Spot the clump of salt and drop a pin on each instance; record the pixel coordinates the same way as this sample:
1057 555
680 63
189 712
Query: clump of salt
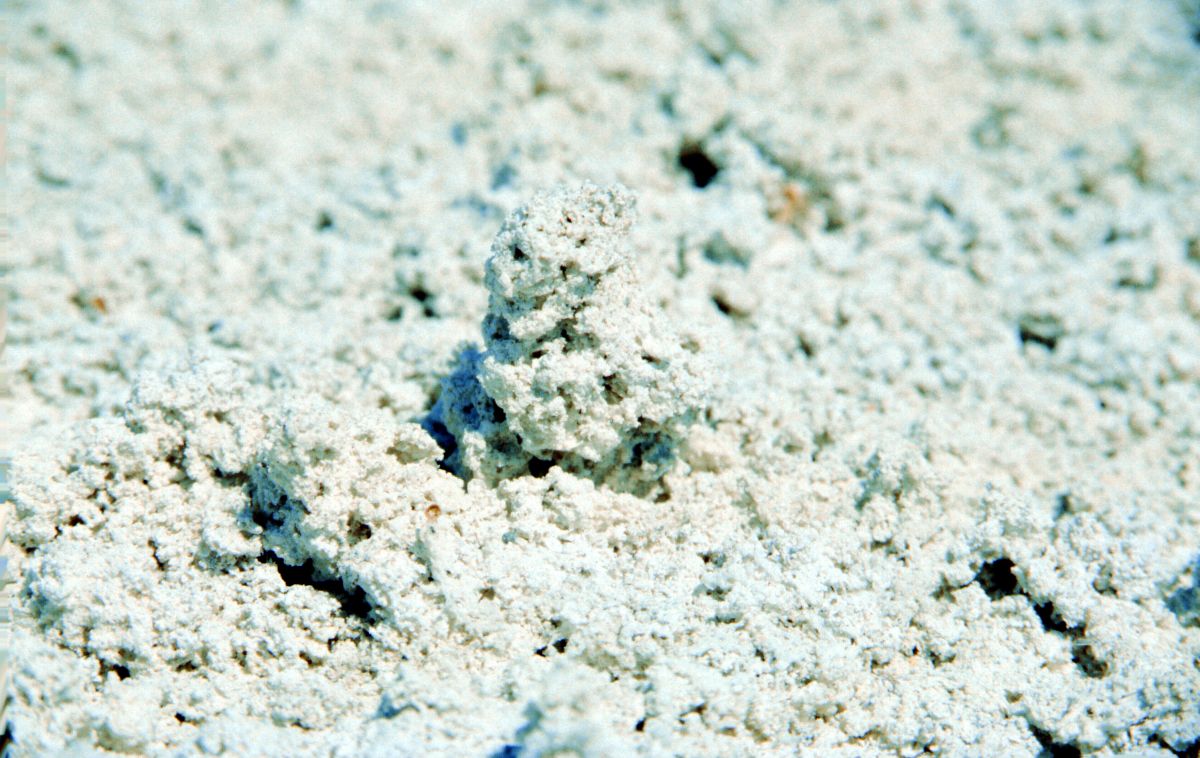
578 370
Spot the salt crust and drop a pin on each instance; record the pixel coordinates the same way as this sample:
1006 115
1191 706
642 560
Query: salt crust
943 496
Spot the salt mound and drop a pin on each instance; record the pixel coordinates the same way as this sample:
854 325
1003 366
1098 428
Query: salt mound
578 370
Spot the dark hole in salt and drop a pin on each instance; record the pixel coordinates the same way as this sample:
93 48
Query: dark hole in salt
1040 330
699 166
997 578
353 601
1052 749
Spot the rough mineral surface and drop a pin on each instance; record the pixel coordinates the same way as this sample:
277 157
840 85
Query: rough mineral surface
579 371
914 312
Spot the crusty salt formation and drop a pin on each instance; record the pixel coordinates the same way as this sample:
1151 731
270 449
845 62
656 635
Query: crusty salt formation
578 370
941 262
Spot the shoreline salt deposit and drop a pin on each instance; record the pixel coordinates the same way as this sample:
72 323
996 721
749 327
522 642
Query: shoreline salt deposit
930 486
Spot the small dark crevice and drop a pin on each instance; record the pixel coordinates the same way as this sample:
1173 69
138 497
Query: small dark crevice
1041 330
395 314
821 441
937 203
49 180
717 593
884 545
503 176
718 251
1082 654
91 303
1192 250
357 530
266 518
1116 235
997 579
427 301
615 389
1085 659
405 250
1052 749
945 590
698 710
1132 281
496 329
1049 617
353 601
496 413
640 726
1063 505
559 645
805 346
120 670
699 166
66 53
834 220
324 221
1190 750
193 227
1138 164
539 467
714 56
724 307
666 104
1185 602
937 659
1103 583
389 709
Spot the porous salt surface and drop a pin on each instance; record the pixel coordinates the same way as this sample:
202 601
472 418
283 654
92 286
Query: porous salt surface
911 462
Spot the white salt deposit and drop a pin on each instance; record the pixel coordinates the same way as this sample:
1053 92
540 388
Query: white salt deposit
842 399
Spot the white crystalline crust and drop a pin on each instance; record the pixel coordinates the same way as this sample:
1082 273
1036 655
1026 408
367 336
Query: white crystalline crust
578 371
939 488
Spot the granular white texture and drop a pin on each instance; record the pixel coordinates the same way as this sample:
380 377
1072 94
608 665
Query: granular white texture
578 371
919 282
